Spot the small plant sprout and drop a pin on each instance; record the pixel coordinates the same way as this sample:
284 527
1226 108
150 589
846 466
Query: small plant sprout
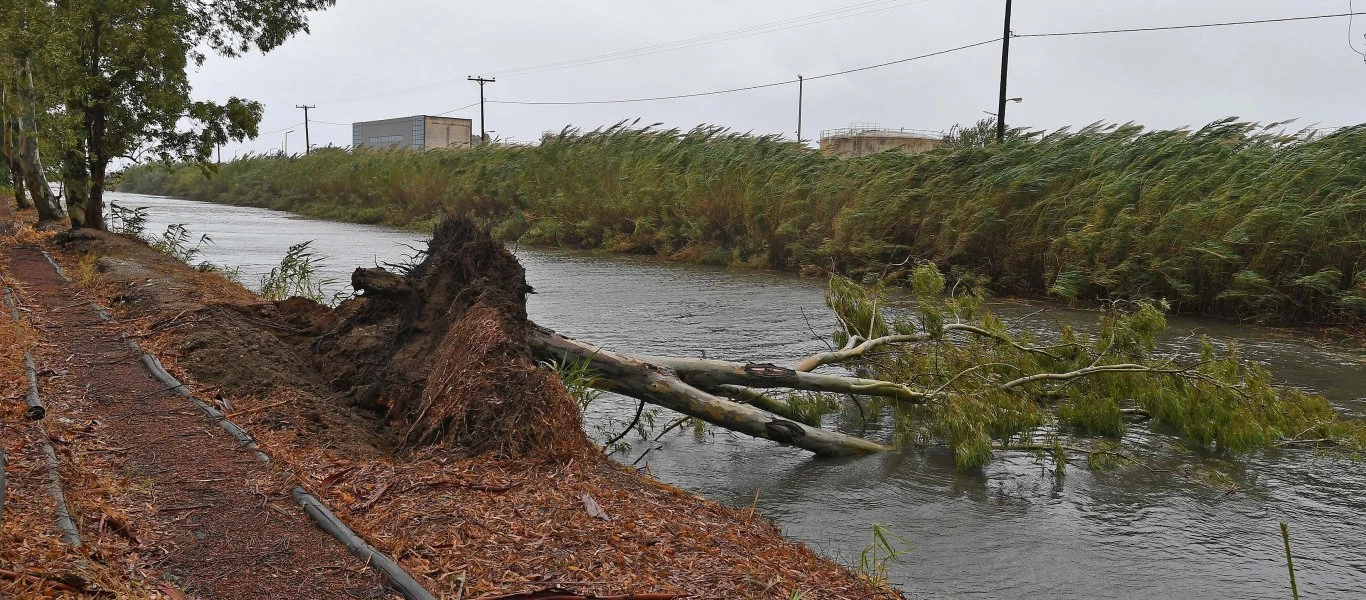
885 548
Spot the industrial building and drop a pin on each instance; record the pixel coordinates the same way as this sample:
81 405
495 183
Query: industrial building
862 139
416 132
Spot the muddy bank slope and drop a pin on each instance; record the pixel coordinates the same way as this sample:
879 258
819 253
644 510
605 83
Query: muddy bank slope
425 425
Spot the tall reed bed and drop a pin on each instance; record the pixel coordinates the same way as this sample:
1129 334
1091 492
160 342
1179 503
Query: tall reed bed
1231 219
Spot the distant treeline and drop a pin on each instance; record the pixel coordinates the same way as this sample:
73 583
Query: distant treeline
1230 220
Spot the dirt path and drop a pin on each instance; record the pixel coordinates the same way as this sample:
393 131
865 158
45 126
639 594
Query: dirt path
219 523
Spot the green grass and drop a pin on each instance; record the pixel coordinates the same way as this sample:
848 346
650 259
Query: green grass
1229 220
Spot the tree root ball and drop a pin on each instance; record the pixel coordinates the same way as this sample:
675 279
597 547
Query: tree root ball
487 395
442 349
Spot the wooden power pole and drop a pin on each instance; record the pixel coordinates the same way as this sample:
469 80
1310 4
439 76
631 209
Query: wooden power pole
1005 67
307 146
483 131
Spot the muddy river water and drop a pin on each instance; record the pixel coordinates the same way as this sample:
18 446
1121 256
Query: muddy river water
1011 531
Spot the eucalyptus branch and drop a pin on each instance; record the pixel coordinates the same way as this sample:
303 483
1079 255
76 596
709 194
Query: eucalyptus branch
851 351
1044 350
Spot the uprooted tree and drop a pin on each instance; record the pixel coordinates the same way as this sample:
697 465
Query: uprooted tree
445 347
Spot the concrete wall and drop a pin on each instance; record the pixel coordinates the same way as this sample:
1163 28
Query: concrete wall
863 144
444 132
416 132
388 133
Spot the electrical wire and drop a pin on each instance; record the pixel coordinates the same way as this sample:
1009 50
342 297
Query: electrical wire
280 129
457 109
774 27
1352 13
698 41
750 87
1195 26
1351 10
904 60
651 99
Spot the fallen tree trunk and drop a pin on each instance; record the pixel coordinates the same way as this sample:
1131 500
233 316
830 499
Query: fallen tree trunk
708 373
662 385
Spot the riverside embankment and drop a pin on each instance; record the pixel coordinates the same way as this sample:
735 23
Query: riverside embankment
157 479
1008 531
1228 220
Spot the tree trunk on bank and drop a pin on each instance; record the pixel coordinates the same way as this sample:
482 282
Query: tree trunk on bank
49 208
662 386
8 151
94 208
26 153
76 182
96 122
16 177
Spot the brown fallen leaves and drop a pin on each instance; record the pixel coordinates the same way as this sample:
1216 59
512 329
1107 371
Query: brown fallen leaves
472 527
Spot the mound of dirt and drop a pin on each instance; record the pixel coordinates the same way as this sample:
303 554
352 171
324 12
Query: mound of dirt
442 349
212 332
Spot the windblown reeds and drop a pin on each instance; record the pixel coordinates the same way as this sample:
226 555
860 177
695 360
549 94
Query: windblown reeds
1232 219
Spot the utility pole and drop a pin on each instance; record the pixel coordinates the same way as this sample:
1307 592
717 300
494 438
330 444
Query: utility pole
800 85
483 135
285 149
305 107
1005 69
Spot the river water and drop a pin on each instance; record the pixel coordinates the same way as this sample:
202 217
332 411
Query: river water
1011 531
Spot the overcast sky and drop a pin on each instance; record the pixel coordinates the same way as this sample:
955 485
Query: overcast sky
369 60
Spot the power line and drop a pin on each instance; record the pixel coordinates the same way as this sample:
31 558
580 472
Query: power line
280 129
941 52
457 109
1196 26
903 60
751 87
651 99
1350 21
725 36
651 49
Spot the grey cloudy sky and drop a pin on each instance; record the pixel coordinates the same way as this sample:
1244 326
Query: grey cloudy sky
369 59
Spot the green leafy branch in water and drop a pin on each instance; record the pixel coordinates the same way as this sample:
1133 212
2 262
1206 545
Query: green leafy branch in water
299 274
987 386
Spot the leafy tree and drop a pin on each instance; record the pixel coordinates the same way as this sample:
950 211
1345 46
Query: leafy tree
23 42
120 68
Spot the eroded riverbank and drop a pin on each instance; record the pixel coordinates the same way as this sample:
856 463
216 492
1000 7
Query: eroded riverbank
1009 531
465 526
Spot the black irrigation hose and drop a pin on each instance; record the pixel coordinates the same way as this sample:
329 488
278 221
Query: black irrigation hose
36 411
398 578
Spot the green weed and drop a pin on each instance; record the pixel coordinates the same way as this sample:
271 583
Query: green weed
298 274
884 549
